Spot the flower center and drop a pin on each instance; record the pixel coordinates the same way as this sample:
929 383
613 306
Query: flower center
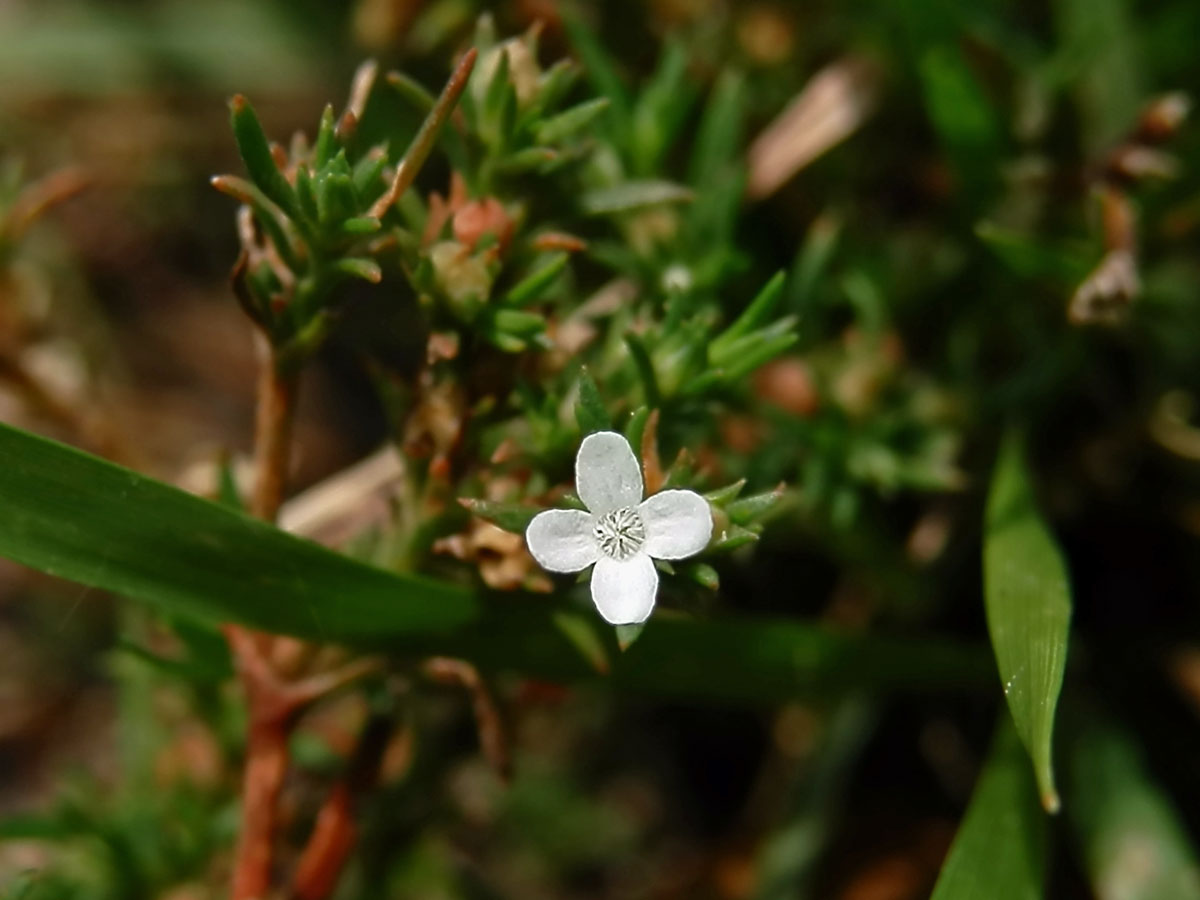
620 533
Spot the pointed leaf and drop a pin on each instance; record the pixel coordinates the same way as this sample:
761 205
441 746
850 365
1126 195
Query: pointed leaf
630 195
589 410
999 852
1028 604
256 153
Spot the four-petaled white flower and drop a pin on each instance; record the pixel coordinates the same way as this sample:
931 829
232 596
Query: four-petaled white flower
621 534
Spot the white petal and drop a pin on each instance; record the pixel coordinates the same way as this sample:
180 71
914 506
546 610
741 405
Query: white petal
607 474
678 524
623 590
561 540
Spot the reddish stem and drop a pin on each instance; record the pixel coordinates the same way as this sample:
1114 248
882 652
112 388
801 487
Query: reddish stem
271 710
272 437
334 834
266 767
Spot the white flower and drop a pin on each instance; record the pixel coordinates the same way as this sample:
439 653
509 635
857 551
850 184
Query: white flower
622 534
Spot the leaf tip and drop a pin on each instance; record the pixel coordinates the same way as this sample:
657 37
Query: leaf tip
1051 802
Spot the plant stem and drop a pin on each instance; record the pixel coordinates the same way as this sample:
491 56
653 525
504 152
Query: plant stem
266 767
272 436
270 711
334 834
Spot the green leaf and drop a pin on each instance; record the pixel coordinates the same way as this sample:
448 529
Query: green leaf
1098 58
755 507
645 368
256 154
703 574
569 122
627 634
752 316
632 195
636 428
589 411
533 286
720 133
723 495
661 108
999 852
265 212
1031 255
1028 603
814 257
1133 842
509 516
598 65
70 514
78 517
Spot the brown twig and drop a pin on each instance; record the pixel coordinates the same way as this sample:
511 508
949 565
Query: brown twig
488 721
426 137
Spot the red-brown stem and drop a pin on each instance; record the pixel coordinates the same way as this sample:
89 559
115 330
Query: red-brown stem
270 709
272 437
335 833
328 847
266 767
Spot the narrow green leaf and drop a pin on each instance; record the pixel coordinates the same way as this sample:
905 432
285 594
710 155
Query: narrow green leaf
632 195
357 267
412 91
812 260
568 122
1098 58
256 154
627 634
530 159
76 516
752 316
720 135
1028 601
518 322
335 198
598 66
590 412
266 213
636 427
703 574
755 507
533 286
1133 842
360 225
645 368
721 496
732 537
509 516
327 143
999 852
661 108
70 514
1031 255
368 176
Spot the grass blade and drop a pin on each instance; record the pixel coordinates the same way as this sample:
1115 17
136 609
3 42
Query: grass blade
79 517
1028 601
1000 849
1133 843
76 516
